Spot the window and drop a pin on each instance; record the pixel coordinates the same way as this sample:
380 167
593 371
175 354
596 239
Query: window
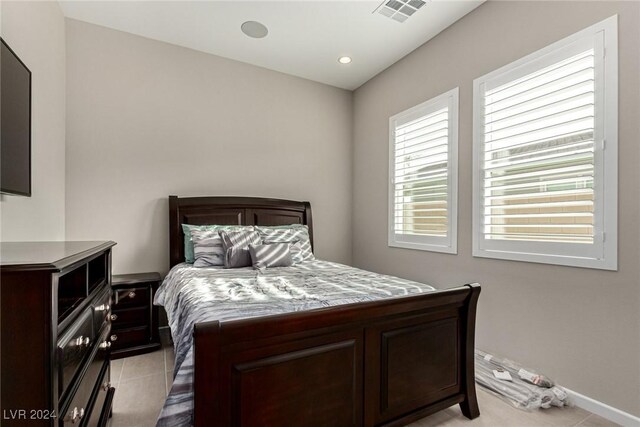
545 154
423 163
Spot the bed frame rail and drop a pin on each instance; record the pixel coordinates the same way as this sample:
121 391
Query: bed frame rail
382 363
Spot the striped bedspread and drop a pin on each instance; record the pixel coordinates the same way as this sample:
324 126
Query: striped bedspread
191 295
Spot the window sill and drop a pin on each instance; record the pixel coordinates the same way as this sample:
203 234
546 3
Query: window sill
568 261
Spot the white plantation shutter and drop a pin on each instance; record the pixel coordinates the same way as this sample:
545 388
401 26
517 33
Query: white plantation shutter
539 130
423 183
539 155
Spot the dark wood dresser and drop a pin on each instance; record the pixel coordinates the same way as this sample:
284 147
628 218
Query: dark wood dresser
55 324
134 320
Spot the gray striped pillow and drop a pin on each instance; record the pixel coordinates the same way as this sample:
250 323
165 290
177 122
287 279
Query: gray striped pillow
270 255
295 234
235 246
207 248
189 255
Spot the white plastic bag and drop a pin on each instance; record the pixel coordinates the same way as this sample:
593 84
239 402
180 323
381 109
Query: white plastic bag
522 387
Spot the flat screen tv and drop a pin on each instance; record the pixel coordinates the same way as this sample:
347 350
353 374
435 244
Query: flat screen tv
15 124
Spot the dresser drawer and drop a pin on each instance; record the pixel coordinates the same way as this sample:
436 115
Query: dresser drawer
78 407
101 310
131 297
103 398
129 337
74 347
129 317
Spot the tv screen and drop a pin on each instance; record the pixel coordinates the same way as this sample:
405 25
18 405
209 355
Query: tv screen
15 124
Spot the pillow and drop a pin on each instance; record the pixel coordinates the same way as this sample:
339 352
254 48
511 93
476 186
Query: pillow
188 242
207 248
270 255
295 234
235 246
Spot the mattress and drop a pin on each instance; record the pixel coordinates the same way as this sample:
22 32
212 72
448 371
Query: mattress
191 295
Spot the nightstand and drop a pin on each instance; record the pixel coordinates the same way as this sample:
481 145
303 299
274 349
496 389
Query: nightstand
134 318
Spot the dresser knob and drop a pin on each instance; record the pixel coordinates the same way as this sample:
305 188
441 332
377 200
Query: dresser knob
105 345
81 341
132 294
114 317
103 307
76 415
106 386
114 337
87 340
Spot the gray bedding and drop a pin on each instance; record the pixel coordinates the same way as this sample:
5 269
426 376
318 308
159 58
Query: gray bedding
191 295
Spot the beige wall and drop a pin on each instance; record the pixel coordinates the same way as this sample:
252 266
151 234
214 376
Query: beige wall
147 119
35 31
580 326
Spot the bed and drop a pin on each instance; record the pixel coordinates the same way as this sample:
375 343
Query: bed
383 357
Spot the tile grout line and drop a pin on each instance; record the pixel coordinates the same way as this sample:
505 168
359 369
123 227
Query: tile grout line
138 378
583 421
124 360
166 385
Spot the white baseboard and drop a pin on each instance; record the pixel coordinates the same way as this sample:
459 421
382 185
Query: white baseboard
605 411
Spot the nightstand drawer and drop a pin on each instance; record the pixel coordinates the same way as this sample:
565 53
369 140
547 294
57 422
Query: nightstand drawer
131 297
129 337
129 317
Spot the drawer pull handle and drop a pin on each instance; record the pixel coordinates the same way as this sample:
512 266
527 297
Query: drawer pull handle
76 415
105 345
124 293
114 337
114 317
82 341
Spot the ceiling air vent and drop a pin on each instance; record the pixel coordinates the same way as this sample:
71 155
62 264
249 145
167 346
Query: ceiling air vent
399 10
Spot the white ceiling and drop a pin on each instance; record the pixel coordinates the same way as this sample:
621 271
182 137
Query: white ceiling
305 37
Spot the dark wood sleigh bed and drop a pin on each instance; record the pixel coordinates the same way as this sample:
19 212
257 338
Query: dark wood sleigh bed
382 363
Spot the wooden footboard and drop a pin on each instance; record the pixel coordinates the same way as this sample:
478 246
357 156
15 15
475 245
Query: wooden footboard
369 364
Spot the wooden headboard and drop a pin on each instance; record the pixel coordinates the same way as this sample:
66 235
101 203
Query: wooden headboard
232 211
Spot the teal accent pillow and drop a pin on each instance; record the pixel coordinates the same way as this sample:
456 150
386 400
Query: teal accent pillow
189 256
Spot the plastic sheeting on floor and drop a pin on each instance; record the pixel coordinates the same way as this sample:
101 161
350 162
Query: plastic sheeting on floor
522 387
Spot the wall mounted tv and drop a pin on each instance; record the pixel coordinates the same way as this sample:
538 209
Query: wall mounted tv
15 124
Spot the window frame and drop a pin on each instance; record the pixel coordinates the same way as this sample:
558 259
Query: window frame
447 244
603 254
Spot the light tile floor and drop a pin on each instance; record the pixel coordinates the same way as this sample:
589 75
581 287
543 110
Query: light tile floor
142 383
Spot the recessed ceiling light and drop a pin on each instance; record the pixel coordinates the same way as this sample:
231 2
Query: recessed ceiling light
344 59
254 29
